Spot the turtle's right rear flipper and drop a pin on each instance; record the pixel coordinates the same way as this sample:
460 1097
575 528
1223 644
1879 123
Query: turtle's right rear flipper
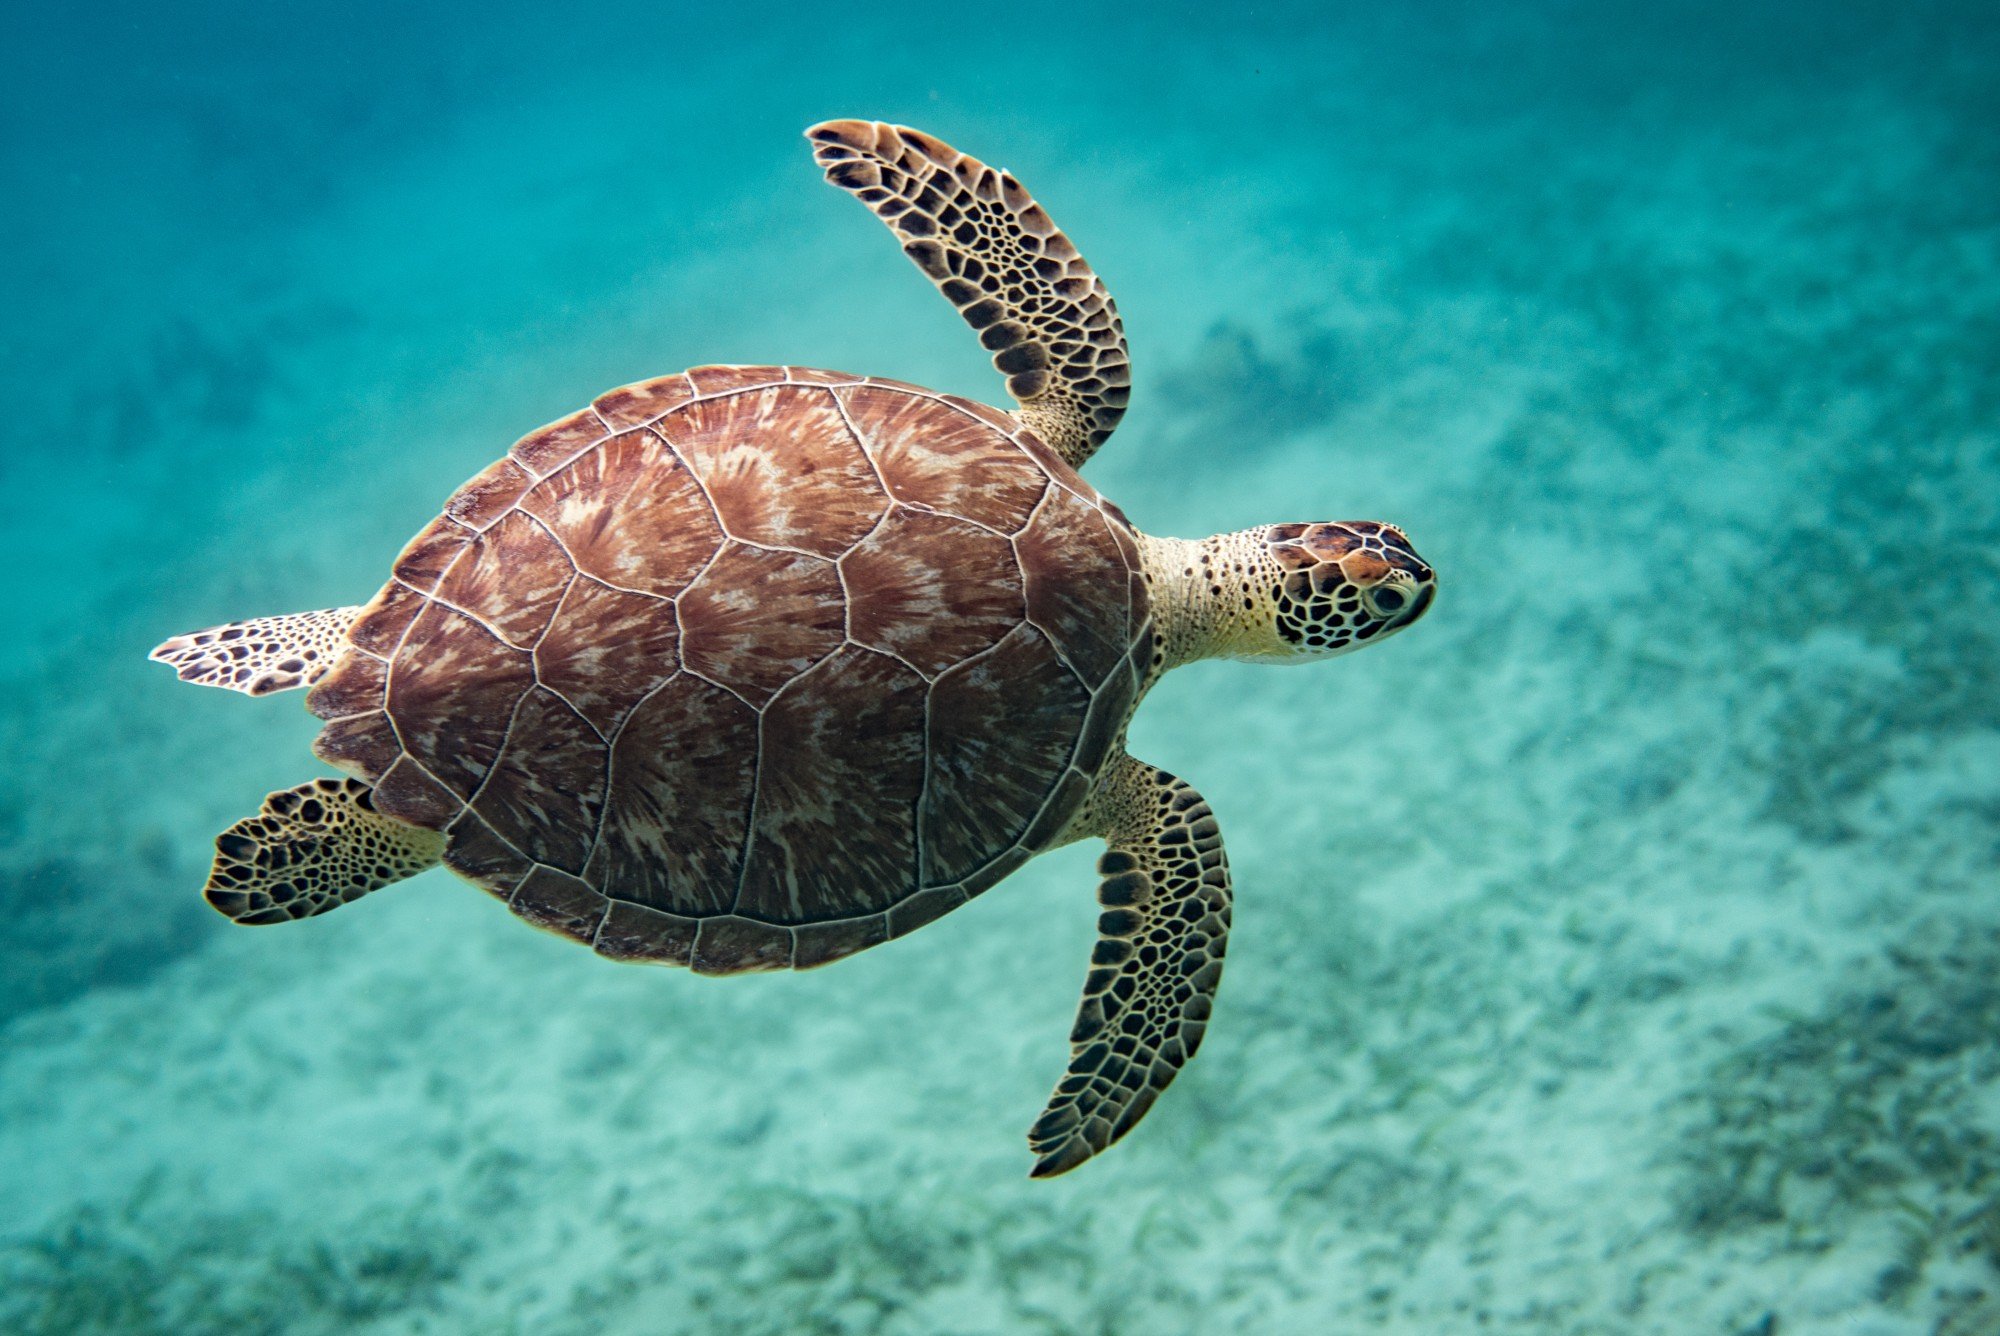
311 849
263 654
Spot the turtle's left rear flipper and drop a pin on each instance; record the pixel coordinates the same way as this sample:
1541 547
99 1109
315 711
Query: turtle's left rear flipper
311 849
263 654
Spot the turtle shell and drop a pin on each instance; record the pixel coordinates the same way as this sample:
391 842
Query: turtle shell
748 667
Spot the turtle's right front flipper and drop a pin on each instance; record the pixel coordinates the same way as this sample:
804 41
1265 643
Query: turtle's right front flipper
263 654
1152 981
311 849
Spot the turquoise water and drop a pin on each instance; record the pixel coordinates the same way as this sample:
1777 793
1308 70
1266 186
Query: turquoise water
1614 952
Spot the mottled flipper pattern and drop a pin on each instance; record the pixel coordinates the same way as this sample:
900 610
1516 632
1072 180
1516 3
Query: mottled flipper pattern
263 654
311 849
1052 328
1165 897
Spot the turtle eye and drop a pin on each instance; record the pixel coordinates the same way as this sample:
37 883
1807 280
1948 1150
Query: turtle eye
1385 600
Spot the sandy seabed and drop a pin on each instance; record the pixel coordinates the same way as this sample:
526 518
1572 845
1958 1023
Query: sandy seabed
1616 952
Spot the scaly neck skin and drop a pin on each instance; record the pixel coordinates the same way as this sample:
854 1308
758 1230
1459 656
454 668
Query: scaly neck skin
1211 596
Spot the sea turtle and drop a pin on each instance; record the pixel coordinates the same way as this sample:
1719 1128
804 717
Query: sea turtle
751 668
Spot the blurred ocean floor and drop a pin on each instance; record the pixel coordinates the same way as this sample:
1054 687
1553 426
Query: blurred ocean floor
1617 952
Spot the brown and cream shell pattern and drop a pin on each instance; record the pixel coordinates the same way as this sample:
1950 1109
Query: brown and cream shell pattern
749 667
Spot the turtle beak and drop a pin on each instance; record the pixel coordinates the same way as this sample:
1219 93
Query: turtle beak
1418 604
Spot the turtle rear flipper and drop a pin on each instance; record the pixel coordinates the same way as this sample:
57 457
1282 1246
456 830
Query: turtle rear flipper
311 849
262 654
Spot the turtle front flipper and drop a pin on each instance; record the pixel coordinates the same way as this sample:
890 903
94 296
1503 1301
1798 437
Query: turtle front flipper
311 849
1165 897
262 654
1052 327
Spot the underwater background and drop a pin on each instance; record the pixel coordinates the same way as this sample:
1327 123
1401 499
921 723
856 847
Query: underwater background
1617 952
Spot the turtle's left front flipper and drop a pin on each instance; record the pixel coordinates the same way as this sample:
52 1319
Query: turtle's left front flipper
261 655
1165 923
1040 310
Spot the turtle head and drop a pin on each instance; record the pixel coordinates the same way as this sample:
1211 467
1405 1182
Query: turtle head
1285 593
1337 587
